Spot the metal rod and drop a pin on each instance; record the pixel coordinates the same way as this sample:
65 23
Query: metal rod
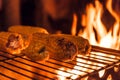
26 69
7 76
79 65
92 59
16 71
105 56
71 65
37 67
105 50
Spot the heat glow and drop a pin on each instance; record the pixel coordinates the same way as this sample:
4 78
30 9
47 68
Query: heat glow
97 34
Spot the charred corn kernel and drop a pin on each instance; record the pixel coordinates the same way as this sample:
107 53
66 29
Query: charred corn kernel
82 44
63 46
58 47
36 51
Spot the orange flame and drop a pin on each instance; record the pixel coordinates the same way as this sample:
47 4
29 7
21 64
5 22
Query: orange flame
95 27
110 39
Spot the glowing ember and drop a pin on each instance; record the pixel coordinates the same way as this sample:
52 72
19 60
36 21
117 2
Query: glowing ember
94 28
108 39
109 77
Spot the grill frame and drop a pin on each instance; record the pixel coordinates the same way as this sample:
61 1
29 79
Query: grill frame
108 62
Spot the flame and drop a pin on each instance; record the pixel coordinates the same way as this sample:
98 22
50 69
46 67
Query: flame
96 32
73 30
109 39
109 77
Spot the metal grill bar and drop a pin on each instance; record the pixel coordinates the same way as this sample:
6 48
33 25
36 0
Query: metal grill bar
30 66
15 71
92 60
99 59
6 76
105 56
105 50
44 65
68 65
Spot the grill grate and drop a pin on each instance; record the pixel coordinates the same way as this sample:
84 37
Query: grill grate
14 67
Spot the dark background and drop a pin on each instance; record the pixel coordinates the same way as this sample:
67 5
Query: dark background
54 15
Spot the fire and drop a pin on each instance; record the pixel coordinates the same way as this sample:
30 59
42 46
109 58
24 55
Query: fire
109 39
95 31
